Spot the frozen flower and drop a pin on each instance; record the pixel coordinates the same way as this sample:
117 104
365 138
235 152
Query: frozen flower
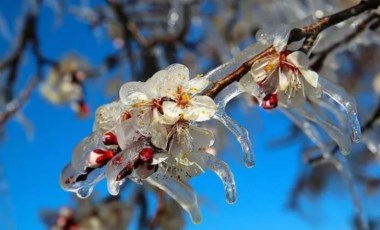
284 75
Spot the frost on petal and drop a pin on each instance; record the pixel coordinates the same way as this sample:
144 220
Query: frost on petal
82 151
221 169
339 95
299 59
120 167
171 113
107 115
179 191
204 106
129 89
196 85
241 134
80 183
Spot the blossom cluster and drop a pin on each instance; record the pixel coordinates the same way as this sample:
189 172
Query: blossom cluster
154 132
151 134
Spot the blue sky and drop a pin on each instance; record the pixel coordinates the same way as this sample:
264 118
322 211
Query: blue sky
31 168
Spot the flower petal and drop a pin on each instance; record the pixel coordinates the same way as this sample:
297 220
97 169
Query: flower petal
196 85
299 59
204 106
130 88
310 76
171 113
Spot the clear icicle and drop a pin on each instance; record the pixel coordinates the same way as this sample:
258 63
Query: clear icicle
339 95
330 105
334 132
237 130
223 171
344 169
241 135
309 129
82 188
179 191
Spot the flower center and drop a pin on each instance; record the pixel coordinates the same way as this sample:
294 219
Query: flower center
183 100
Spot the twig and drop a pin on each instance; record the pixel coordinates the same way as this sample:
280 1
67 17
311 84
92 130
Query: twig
295 35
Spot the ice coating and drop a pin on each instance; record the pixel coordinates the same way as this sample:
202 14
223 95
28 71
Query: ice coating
116 165
81 152
228 67
309 129
179 191
339 95
342 140
223 171
237 130
82 187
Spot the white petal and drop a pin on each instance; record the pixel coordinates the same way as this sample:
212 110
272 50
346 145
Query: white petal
196 85
299 59
310 76
284 79
280 43
130 88
159 135
171 113
156 82
178 71
204 106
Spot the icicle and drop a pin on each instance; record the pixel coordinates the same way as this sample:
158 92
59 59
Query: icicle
83 187
223 171
339 95
334 132
330 105
309 129
344 169
238 131
241 135
179 191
